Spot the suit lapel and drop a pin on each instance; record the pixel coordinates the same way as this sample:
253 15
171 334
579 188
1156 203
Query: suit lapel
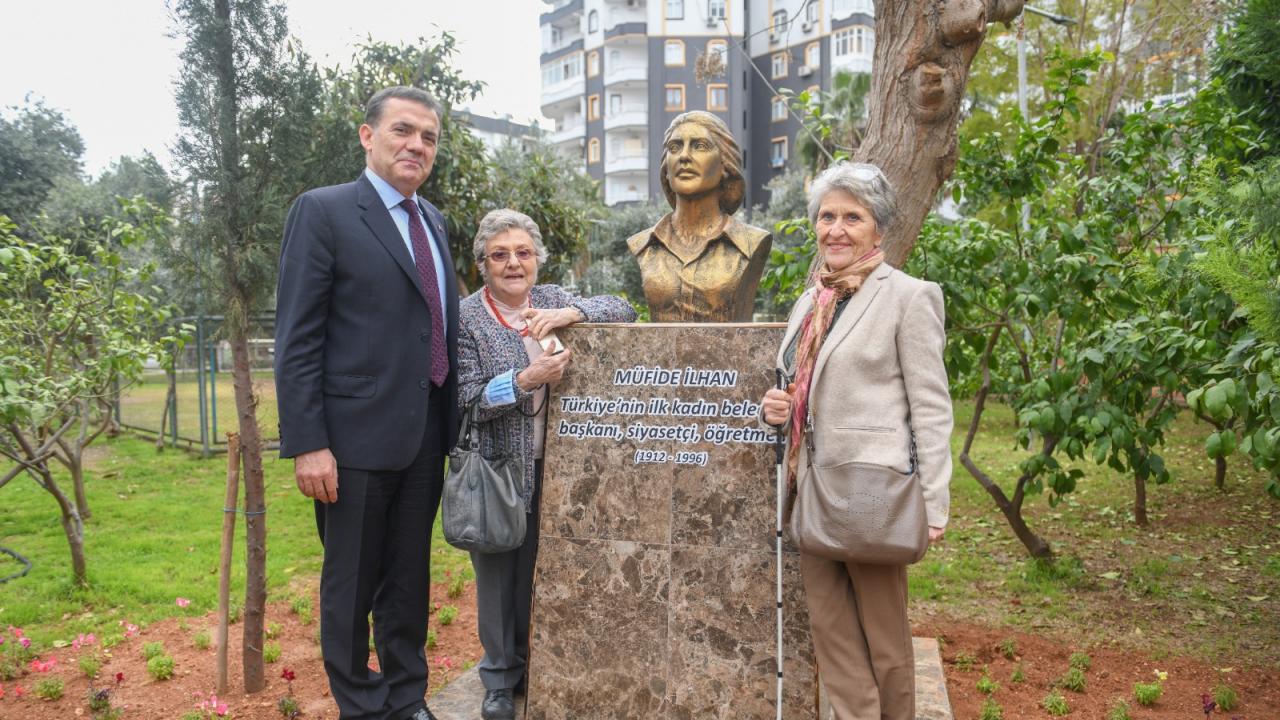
857 308
378 219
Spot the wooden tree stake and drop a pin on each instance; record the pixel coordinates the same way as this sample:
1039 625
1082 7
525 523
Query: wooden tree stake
228 541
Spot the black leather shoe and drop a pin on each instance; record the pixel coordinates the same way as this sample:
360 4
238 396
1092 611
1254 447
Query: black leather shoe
422 714
498 705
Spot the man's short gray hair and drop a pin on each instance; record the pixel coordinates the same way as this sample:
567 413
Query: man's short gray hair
498 222
373 109
866 183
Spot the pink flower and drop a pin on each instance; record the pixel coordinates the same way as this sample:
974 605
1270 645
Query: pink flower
19 691
1 639
288 674
26 643
1 692
83 640
119 678
182 602
129 629
41 666
17 632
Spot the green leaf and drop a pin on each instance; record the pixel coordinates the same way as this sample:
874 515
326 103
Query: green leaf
1213 445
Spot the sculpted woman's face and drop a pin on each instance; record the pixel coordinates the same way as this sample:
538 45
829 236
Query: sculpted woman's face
694 165
846 230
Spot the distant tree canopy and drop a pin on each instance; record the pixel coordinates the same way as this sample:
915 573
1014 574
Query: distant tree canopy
39 148
1248 61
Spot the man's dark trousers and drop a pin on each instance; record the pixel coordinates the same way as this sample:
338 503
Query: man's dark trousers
377 552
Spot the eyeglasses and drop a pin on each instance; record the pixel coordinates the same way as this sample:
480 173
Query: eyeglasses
500 257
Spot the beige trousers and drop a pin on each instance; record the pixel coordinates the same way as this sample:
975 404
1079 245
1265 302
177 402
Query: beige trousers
858 616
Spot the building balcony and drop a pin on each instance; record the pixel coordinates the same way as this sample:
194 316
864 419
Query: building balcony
852 63
629 162
627 117
561 14
561 93
568 134
635 71
625 25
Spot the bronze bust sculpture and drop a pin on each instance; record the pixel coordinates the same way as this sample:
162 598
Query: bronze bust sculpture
699 264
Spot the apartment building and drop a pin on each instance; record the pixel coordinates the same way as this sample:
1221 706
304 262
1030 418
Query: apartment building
615 72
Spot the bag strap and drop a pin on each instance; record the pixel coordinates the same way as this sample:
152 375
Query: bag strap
915 461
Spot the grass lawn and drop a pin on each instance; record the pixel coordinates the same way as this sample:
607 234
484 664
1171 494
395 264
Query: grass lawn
1203 580
142 404
154 537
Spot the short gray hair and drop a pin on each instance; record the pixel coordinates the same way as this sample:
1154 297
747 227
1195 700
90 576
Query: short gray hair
498 222
866 183
373 109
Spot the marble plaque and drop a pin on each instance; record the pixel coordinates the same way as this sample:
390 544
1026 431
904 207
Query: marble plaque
654 594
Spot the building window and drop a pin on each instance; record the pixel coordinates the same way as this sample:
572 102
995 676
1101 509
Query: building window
721 48
675 98
556 36
718 97
673 53
779 65
811 13
593 107
779 25
593 21
675 9
778 109
842 42
715 9
778 152
593 63
813 55
615 104
593 151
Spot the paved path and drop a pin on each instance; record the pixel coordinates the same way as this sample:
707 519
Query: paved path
461 699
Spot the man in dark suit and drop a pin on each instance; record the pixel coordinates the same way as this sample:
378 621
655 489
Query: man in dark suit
366 357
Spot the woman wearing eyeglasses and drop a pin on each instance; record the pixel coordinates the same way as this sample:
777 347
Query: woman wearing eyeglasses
508 355
864 345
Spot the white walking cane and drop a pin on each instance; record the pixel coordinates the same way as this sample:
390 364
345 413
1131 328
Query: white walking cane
778 451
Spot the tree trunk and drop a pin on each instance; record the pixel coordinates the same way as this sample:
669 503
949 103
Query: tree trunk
922 56
75 460
1140 499
169 397
72 525
1012 509
1220 472
255 521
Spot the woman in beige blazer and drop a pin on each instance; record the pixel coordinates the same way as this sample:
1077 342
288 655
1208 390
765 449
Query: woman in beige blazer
864 346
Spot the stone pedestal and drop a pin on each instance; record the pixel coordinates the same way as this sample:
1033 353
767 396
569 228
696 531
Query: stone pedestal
654 594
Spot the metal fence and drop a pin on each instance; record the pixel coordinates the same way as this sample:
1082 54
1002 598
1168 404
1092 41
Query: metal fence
188 399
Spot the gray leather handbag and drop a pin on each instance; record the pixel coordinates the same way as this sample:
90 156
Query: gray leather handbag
482 504
860 513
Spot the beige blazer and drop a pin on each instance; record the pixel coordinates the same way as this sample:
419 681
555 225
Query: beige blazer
878 377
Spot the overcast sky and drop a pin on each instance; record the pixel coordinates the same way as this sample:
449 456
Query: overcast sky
110 67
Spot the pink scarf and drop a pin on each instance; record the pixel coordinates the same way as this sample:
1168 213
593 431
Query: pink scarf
829 289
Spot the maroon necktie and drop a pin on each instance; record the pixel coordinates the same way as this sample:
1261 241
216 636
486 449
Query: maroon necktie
427 271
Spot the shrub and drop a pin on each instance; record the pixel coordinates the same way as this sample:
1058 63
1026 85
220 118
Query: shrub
447 614
456 586
160 667
964 661
288 708
991 710
1008 648
271 653
1055 704
1226 697
986 685
49 689
100 705
90 666
1147 693
152 649
1019 674
1081 661
431 639
1119 711
301 606
1073 680
234 612
273 630
202 640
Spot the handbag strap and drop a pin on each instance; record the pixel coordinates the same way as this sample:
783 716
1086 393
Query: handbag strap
915 461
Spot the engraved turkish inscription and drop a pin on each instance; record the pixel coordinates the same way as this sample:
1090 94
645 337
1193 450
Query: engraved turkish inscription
654 591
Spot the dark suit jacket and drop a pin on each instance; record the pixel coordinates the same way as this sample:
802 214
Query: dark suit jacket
353 332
